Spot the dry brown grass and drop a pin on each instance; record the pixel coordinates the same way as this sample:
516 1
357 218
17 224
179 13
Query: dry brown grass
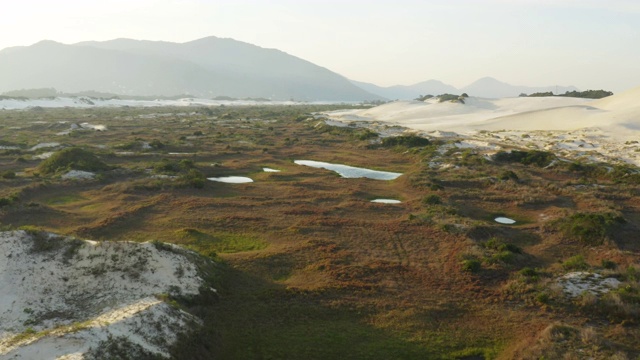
380 271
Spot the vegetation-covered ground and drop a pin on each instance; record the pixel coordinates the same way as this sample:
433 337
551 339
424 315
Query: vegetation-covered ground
309 268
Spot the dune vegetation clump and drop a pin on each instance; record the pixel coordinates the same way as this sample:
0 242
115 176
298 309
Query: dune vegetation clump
534 157
405 140
589 228
73 158
186 171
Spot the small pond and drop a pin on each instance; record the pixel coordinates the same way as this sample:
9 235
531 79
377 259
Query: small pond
350 172
386 201
504 220
232 179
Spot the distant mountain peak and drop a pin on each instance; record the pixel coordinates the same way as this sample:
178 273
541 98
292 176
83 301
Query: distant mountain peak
47 42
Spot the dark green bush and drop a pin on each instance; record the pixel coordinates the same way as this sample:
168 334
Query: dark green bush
405 140
72 158
471 265
534 157
166 166
156 144
528 272
450 97
575 263
508 175
424 97
432 200
588 94
194 178
589 228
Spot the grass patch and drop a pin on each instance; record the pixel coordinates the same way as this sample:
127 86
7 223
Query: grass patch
64 199
575 263
220 243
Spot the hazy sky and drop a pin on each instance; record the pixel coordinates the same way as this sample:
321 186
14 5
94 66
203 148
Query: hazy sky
591 44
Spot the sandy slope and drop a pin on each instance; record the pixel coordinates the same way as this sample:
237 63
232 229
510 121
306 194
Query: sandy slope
602 129
68 296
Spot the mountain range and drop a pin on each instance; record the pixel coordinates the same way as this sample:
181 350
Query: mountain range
486 87
207 68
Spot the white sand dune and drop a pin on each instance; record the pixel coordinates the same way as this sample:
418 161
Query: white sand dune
61 297
603 129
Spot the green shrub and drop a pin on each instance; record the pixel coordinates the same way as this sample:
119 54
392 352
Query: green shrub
534 157
471 265
423 97
469 157
354 133
499 245
543 298
194 178
72 158
432 200
504 256
405 140
541 94
588 94
156 144
589 228
451 97
575 263
366 134
528 272
508 175
8 174
166 166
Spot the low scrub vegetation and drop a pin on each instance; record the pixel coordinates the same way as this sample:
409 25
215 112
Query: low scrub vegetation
73 158
406 141
589 228
533 157
304 266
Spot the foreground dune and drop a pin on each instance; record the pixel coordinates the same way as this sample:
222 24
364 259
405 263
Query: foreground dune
67 297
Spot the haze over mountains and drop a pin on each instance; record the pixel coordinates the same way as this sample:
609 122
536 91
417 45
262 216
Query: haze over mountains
486 87
207 68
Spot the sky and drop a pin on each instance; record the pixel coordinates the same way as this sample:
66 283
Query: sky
590 44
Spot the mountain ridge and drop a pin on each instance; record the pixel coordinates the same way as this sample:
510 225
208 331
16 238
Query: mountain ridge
206 67
486 87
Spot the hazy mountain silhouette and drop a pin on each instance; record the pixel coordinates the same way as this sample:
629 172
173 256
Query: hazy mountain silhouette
205 68
486 87
408 92
489 87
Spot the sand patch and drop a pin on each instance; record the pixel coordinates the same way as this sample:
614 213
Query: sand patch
576 283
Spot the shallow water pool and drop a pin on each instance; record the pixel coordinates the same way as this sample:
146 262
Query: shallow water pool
504 220
350 172
232 179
